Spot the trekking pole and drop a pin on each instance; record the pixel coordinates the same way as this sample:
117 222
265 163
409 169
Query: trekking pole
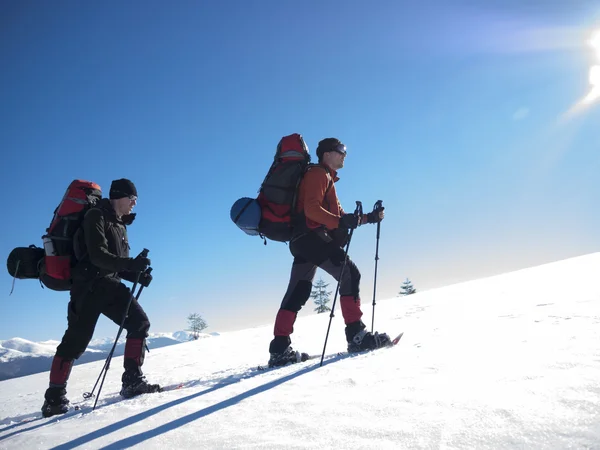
88 395
358 213
378 204
106 366
110 355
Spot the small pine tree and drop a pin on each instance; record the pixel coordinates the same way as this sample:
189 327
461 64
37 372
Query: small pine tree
321 296
196 324
407 288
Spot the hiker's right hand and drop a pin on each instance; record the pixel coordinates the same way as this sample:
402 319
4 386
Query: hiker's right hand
145 279
376 215
139 264
349 221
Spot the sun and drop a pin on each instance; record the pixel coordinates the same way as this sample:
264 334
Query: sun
593 95
594 76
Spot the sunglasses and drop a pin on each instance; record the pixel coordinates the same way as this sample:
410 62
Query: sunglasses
131 198
340 148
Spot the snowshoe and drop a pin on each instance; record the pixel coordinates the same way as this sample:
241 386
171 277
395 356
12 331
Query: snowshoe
56 402
288 356
365 340
135 384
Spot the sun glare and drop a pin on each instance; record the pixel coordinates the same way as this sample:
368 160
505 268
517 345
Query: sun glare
595 77
593 96
595 43
594 93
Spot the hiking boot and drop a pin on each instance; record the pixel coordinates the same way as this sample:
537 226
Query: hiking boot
365 340
134 384
288 356
56 401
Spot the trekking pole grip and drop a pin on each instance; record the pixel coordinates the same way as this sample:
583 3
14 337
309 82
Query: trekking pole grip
143 254
147 271
378 204
359 208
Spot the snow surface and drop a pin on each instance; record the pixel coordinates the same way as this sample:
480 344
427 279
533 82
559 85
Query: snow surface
506 362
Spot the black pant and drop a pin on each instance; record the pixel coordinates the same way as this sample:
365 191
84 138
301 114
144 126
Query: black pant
106 296
310 252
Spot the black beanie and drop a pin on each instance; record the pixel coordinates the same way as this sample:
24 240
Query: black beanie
327 145
122 188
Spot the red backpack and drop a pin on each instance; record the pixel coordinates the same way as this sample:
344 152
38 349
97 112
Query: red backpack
55 271
278 192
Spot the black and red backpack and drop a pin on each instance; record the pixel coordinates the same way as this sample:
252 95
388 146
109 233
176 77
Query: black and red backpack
52 264
271 215
278 192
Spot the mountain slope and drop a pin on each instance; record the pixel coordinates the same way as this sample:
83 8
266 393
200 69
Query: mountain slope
500 363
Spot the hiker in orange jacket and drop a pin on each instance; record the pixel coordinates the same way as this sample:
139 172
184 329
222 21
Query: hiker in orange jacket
320 232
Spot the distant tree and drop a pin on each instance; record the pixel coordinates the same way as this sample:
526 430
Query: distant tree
321 296
407 288
196 324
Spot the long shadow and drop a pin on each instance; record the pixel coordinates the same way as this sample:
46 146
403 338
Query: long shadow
23 421
132 440
20 424
27 419
81 405
42 424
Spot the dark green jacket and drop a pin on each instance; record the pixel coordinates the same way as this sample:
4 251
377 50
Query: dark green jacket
101 244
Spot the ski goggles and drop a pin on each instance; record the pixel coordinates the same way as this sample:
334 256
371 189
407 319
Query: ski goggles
340 148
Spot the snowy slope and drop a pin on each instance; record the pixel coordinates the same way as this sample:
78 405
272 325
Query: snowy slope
20 357
506 362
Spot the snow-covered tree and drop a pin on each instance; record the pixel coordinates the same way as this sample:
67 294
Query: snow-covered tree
407 288
321 296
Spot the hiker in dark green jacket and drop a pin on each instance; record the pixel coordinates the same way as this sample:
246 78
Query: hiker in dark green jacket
102 251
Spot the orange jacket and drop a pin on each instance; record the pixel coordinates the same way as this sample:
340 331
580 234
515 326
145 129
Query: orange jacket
320 205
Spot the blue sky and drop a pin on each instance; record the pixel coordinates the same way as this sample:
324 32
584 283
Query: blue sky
453 113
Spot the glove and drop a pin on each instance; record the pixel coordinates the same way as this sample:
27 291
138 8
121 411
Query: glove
145 279
376 215
349 221
139 264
